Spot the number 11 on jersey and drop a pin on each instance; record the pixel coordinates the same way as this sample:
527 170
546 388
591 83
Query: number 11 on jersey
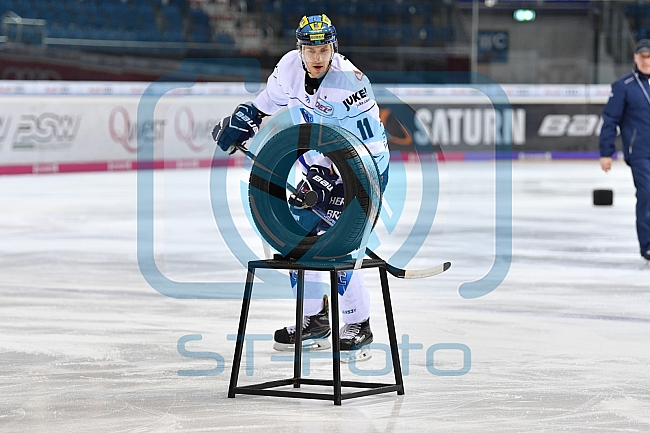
364 129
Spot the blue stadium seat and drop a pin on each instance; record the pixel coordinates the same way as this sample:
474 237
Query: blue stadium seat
93 33
58 6
38 5
173 17
64 18
98 20
183 5
113 34
375 9
44 14
31 35
200 36
173 35
106 8
345 9
223 38
391 9
151 35
199 18
140 8
345 33
296 8
74 33
80 19
145 16
18 6
57 31
29 13
272 7
90 7
116 19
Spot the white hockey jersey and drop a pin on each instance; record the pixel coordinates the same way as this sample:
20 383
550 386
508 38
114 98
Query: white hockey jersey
344 98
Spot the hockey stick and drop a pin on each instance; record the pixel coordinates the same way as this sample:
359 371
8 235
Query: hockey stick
409 274
393 270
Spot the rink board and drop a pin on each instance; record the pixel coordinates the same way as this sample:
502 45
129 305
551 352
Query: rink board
48 127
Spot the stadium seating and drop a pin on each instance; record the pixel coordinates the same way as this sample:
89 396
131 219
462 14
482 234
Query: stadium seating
384 22
638 15
140 20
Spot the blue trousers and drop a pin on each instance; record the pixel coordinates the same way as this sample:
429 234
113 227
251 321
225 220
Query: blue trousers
641 175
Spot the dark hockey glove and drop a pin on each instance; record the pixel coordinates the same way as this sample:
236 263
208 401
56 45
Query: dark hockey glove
242 125
315 190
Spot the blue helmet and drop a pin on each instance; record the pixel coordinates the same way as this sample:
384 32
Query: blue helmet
316 30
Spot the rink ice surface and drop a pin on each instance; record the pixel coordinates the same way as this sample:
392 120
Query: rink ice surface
562 344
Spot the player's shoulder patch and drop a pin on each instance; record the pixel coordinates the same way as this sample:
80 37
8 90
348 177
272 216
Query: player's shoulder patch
350 71
358 75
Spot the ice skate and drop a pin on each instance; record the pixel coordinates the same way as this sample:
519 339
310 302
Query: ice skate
315 330
355 339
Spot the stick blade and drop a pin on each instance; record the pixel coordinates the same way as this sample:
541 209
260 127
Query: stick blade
410 274
424 273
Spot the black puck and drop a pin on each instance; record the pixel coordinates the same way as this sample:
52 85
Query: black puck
311 198
603 197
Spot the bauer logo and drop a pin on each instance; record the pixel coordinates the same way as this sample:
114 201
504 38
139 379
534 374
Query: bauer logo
578 125
323 108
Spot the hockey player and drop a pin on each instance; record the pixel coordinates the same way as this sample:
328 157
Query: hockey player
319 85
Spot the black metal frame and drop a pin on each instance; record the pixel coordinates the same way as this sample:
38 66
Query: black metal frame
337 396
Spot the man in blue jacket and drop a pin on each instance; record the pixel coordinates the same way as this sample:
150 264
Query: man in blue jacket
628 108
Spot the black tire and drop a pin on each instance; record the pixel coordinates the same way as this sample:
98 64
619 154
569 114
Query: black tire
268 200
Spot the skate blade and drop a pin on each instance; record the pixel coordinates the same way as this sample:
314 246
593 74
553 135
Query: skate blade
358 355
312 344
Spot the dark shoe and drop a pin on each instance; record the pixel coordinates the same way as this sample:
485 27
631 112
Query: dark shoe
355 335
315 330
646 255
355 338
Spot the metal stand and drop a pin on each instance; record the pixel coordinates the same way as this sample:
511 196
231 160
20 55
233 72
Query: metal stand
337 396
